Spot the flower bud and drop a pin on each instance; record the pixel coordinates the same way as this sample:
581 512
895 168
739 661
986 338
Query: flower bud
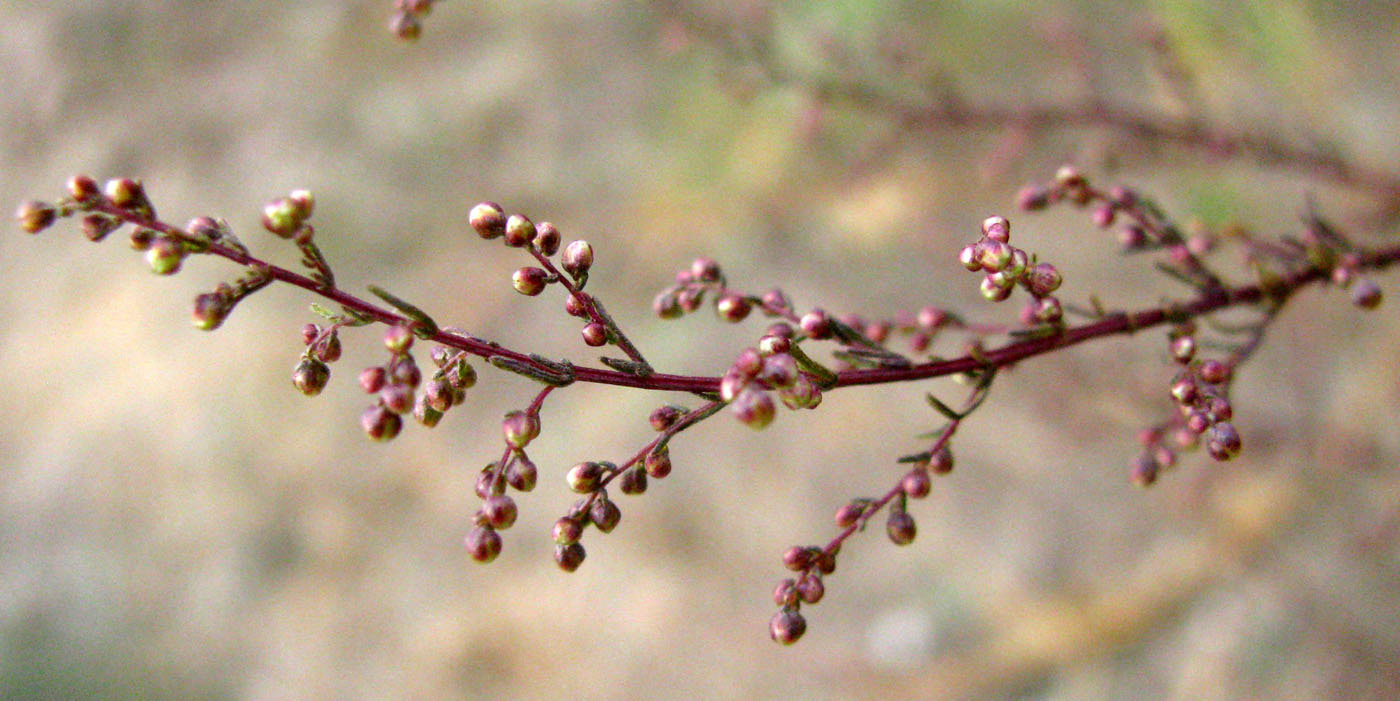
663 417
373 379
997 229
97 225
778 371
570 556
519 428
658 462
310 376
803 394
704 270
483 543
1032 198
633 481
398 339
666 305
941 463
530 280
1366 294
165 256
994 255
605 514
83 188
584 477
425 414
577 258
380 424
816 324
547 238
210 310
810 588
397 398
280 217
787 626
1183 348
35 216
992 288
732 307
916 483
594 334
488 220
1214 372
499 510
520 231
900 527
522 474
1043 278
303 203
1222 441
753 408
848 514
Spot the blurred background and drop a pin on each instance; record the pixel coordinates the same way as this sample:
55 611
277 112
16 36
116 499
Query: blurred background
177 521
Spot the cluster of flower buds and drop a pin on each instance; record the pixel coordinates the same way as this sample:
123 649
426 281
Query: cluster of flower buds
313 370
590 478
1200 391
395 382
746 385
811 562
286 216
1006 266
518 472
543 241
704 277
406 22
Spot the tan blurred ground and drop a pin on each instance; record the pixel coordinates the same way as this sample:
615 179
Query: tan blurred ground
175 521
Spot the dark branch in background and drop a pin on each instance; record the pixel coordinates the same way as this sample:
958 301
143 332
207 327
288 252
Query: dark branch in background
786 364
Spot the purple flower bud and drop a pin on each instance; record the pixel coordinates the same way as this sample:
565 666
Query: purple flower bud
483 543
547 238
594 334
488 220
705 270
83 188
310 376
520 231
165 256
1222 441
1214 372
529 280
35 216
658 462
380 424
900 527
787 626
499 510
585 476
570 556
577 258
1366 294
1043 278
398 339
733 307
753 408
816 324
522 474
519 428
604 514
997 229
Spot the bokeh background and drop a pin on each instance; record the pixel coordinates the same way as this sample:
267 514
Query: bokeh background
176 521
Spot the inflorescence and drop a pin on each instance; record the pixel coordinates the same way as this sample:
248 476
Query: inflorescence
778 365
